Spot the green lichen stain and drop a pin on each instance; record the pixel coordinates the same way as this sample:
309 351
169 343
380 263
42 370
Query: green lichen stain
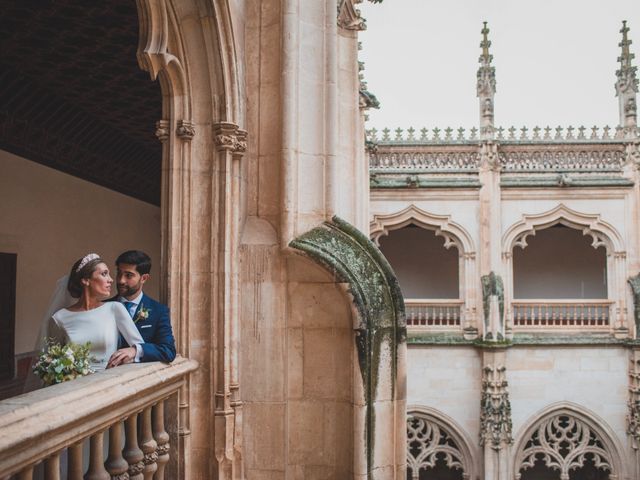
351 257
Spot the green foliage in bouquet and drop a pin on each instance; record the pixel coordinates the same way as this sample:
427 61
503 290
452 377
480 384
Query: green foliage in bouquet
59 363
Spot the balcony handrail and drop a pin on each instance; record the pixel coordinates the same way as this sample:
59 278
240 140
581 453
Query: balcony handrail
433 301
562 301
40 423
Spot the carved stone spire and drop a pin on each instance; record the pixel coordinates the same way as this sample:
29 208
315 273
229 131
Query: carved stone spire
486 86
627 83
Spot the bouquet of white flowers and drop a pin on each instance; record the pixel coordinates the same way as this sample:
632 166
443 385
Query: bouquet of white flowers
59 363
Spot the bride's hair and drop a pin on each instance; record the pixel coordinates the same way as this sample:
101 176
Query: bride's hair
81 270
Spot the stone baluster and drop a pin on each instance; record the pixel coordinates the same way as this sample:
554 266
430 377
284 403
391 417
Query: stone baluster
162 438
116 465
148 445
52 467
132 453
75 462
26 474
96 466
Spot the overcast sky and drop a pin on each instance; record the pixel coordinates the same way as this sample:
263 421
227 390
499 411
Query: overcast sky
555 60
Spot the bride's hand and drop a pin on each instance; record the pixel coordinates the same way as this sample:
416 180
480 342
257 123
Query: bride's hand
122 356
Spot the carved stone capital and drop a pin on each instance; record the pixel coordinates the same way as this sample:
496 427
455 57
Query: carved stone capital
186 130
228 136
162 130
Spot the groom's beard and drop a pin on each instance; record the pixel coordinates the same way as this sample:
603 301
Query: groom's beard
125 291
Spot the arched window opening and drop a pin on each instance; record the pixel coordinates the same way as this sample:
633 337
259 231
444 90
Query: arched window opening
564 447
560 279
81 166
427 267
432 453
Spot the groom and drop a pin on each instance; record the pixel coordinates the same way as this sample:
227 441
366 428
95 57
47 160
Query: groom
151 317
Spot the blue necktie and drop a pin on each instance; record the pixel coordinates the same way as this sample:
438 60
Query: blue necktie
128 306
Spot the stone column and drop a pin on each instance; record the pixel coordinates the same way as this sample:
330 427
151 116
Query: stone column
230 144
494 325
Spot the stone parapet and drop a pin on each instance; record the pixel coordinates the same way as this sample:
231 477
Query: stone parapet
40 424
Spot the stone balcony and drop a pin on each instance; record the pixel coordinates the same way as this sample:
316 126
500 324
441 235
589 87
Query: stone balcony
47 431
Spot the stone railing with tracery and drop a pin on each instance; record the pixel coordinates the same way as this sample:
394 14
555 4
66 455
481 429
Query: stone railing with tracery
536 150
602 158
63 427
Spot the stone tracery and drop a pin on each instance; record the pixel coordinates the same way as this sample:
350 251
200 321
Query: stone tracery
434 441
563 443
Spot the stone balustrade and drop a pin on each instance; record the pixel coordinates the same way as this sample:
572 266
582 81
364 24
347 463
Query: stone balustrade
53 423
565 313
433 313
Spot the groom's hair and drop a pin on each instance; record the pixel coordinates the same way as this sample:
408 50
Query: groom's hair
136 257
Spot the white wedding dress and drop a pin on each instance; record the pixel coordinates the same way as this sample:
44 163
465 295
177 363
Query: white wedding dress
100 326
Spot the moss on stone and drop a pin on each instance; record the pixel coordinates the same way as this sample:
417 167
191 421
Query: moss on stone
352 258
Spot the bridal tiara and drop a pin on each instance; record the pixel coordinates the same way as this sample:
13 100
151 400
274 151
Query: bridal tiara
86 259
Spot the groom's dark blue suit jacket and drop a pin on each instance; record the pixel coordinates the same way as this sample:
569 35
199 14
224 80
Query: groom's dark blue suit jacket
155 330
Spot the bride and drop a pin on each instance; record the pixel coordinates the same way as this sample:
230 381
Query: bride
90 319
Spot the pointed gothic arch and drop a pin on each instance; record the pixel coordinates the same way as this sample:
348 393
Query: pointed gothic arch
564 436
190 48
379 343
433 436
454 234
603 234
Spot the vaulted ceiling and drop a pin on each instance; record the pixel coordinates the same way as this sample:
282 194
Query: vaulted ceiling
72 96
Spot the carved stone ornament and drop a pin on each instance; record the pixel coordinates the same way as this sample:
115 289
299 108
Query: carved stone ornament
428 442
489 153
633 414
634 282
162 130
227 136
136 468
495 409
627 80
150 458
486 81
493 306
349 16
564 443
185 130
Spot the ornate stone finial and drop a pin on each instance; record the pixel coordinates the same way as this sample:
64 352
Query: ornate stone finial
627 84
486 86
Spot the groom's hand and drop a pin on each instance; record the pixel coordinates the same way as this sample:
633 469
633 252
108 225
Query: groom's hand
122 356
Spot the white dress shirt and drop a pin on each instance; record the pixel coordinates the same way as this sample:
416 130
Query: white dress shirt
132 311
